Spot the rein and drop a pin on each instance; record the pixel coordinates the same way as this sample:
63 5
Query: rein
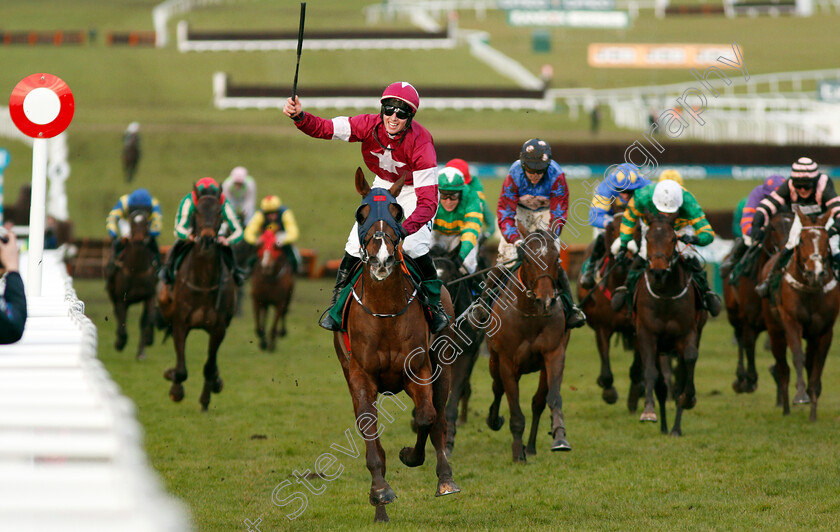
397 260
529 293
798 285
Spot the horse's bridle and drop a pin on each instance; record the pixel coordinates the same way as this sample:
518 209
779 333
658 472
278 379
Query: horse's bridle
532 296
382 235
798 285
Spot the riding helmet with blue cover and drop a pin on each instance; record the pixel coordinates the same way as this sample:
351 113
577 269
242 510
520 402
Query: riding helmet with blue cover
140 198
625 178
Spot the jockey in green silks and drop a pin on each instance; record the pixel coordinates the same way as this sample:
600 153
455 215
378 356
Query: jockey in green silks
667 196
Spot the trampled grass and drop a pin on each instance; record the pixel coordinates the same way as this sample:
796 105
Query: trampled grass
740 464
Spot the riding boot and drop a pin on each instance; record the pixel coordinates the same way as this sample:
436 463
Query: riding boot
165 273
153 245
230 262
738 250
622 294
431 288
347 265
763 289
574 316
587 277
711 301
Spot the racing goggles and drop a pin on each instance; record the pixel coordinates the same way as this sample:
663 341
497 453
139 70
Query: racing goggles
402 114
450 195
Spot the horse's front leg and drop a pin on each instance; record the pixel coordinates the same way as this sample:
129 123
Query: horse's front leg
212 382
817 352
510 380
178 374
605 379
418 385
781 370
555 363
272 342
663 390
440 395
259 321
537 408
793 334
494 420
646 344
637 381
748 340
121 311
147 330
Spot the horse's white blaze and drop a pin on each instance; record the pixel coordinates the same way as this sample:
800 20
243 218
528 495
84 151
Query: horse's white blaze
266 258
818 267
138 218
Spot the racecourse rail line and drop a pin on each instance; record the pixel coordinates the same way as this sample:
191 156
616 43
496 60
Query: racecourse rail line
70 445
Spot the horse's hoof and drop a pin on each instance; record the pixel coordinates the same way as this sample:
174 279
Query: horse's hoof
204 407
176 393
676 433
407 457
263 344
738 386
381 515
610 396
447 487
648 416
218 385
141 356
119 343
687 403
801 399
382 496
169 374
530 450
560 444
500 422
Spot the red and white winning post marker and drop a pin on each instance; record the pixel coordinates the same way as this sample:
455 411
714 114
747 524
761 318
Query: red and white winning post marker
41 106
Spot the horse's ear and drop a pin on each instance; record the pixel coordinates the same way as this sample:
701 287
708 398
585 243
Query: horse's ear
397 187
522 231
671 217
362 186
824 219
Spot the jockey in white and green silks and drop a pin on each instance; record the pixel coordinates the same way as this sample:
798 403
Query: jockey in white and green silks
183 230
667 196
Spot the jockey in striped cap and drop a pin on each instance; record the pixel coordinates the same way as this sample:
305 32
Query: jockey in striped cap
814 194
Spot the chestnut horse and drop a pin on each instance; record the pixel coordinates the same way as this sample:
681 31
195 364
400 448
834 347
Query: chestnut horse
531 337
133 281
272 282
386 346
743 305
595 303
203 297
466 340
669 320
805 306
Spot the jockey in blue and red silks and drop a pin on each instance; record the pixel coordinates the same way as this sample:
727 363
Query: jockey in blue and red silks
393 146
535 195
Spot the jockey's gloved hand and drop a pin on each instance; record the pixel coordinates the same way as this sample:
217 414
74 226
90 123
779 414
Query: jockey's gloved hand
520 251
689 239
757 236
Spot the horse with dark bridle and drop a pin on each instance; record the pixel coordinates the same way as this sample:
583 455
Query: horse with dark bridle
466 340
386 347
133 281
743 304
531 336
804 307
669 319
272 283
595 303
203 297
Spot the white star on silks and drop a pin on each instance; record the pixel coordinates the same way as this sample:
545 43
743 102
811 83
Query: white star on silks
386 162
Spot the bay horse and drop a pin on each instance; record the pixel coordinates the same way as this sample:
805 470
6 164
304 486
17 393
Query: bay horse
805 307
743 304
669 320
133 281
531 337
386 346
203 297
595 303
272 283
462 334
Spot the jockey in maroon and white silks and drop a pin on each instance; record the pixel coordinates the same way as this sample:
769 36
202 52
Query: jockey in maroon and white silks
393 146
410 154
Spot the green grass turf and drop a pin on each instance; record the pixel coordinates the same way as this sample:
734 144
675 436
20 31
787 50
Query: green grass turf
740 465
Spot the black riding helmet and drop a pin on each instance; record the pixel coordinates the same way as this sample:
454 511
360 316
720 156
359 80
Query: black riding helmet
535 156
